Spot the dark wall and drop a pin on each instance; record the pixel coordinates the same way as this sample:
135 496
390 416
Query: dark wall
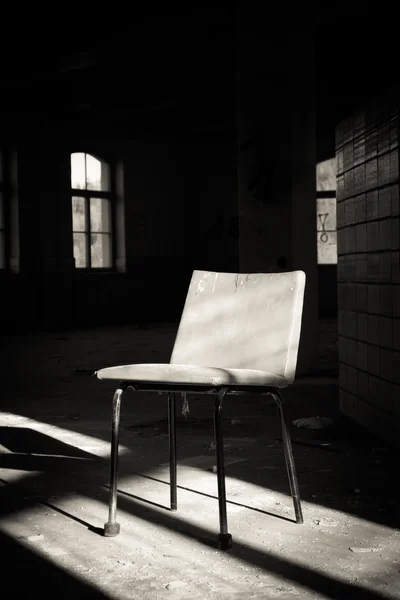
367 149
327 291
174 191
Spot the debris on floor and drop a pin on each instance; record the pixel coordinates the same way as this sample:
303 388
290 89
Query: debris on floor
326 521
364 549
55 465
38 537
175 585
313 422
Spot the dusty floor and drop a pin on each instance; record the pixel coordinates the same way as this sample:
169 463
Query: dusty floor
54 443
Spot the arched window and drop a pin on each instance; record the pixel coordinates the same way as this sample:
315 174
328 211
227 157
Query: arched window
92 212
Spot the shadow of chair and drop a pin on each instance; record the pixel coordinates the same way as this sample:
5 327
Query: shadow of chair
238 334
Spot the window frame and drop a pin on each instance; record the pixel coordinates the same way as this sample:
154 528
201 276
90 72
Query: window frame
325 190
110 195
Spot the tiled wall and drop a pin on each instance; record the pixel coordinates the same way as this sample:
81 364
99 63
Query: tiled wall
367 157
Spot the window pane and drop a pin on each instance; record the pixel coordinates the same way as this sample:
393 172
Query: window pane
326 175
78 171
80 253
101 250
326 214
100 214
2 253
97 174
327 247
78 214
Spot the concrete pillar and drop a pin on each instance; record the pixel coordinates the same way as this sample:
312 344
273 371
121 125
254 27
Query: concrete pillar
45 223
276 158
45 203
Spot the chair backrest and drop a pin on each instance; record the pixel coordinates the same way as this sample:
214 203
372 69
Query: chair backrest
239 321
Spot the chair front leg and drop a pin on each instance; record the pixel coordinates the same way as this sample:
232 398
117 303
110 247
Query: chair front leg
172 450
112 528
224 538
289 458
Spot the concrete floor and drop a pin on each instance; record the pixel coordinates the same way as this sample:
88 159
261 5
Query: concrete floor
54 443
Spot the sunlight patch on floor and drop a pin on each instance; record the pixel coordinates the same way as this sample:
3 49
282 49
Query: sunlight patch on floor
86 443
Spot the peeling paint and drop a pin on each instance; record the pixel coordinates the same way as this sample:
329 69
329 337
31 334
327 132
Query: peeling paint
215 281
200 287
241 280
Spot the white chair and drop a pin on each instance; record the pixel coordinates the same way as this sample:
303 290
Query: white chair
238 334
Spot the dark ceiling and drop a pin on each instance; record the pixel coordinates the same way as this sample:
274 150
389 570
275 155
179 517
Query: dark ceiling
151 70
181 70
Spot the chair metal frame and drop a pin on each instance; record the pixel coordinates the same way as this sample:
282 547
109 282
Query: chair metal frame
224 539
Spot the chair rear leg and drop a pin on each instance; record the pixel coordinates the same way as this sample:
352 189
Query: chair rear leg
172 450
112 528
224 538
287 445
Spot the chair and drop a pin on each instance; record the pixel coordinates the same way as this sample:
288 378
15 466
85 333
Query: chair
238 334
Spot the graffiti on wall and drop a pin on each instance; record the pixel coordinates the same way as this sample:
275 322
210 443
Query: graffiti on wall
326 231
222 225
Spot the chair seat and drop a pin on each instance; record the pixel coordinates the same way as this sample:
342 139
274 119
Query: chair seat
191 375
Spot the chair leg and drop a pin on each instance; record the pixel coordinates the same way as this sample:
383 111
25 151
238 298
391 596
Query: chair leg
287 445
172 450
112 528
224 538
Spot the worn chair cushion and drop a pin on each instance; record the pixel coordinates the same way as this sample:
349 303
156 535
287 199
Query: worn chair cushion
191 375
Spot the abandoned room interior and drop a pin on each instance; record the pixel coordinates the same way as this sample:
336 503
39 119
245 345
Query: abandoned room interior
132 155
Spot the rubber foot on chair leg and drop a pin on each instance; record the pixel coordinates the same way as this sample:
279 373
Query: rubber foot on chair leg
111 529
298 514
173 507
224 541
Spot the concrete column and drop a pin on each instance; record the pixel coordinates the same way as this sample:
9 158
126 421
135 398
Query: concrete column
45 225
276 158
45 203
